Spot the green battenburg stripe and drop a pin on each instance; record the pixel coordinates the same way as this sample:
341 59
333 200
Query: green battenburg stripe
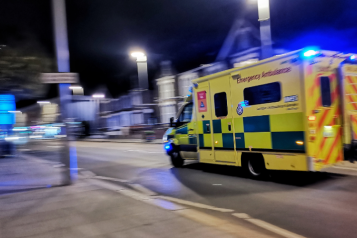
182 130
201 141
287 140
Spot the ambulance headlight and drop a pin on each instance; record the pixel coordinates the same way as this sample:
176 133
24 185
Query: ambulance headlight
165 136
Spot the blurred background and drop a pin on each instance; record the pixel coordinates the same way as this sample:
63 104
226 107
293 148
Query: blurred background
179 41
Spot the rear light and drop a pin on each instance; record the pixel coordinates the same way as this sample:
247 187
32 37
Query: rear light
312 118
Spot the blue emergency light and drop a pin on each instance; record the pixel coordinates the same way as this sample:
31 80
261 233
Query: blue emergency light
310 53
353 57
168 147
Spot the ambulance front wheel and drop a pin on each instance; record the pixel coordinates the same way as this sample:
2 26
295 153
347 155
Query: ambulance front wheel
176 159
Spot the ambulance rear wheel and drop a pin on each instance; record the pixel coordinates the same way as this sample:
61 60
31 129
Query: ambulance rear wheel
255 166
176 159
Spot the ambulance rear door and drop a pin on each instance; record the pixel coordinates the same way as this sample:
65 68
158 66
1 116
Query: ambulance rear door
349 92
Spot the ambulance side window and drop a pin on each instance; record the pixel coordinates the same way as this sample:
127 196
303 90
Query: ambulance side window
325 91
186 114
220 104
265 93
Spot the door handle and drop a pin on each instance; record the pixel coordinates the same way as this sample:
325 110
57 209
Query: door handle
190 129
208 128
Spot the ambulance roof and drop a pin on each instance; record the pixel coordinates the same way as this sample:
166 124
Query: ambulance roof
271 59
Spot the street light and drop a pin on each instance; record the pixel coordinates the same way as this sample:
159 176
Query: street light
43 102
265 29
137 54
75 87
98 95
141 61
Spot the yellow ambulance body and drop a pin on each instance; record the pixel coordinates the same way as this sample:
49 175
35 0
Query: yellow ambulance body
296 111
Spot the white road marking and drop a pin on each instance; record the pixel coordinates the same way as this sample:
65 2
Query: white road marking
241 215
233 228
217 184
195 204
111 179
337 167
88 174
163 202
275 229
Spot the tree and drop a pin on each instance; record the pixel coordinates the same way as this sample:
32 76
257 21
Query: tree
21 64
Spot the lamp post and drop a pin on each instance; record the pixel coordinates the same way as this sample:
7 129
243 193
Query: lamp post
265 29
141 61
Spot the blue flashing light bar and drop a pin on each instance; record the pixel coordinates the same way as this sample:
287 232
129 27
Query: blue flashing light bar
353 57
310 53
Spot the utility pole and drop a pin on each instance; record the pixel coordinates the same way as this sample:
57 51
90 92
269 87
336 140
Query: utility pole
62 55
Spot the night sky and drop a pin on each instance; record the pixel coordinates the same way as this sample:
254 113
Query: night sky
187 32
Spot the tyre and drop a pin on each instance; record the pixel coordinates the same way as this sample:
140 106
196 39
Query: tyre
176 159
254 166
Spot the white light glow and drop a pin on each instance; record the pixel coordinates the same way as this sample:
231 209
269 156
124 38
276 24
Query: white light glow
98 96
35 137
137 54
43 102
75 87
263 3
19 129
14 112
11 138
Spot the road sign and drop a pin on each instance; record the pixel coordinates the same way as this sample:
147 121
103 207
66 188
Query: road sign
59 78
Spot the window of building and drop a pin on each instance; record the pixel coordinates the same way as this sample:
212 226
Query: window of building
261 94
325 91
186 114
220 104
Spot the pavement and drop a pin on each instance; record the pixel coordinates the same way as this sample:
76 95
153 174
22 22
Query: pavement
95 208
22 173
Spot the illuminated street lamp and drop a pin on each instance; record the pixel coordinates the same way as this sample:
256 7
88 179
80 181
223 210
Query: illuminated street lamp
141 61
98 96
75 87
265 29
43 102
137 54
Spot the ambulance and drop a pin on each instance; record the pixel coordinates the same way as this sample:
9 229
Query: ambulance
296 111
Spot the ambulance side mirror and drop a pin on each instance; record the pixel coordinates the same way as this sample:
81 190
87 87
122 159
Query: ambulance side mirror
172 122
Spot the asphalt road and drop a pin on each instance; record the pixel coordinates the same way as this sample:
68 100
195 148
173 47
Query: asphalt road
320 205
